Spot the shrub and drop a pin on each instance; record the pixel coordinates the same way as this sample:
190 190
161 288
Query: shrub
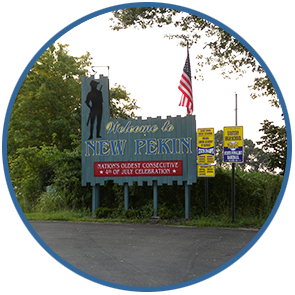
132 214
103 212
50 201
165 213
67 180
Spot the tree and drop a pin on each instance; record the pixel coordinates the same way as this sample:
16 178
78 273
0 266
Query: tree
122 106
47 109
219 148
44 133
224 51
274 143
221 52
255 159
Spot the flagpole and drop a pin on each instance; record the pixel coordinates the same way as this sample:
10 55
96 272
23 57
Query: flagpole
187 48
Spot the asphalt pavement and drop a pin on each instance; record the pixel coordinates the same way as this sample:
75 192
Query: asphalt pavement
142 255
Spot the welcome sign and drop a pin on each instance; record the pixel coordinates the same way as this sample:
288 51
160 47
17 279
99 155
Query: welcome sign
135 149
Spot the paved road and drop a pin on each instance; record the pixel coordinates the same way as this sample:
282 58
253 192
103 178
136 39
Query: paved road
142 255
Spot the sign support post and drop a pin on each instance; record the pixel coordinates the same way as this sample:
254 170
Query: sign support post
187 192
233 170
126 196
233 152
206 159
155 196
233 193
95 197
206 197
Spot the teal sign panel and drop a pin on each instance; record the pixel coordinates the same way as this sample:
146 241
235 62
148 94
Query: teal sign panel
135 149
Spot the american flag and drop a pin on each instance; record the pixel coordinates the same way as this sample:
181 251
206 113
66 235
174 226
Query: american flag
185 87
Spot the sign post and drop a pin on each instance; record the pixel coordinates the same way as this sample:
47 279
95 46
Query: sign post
155 198
187 193
233 152
95 197
126 196
206 158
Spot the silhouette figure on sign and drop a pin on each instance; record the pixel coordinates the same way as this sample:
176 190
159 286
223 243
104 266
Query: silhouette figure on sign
95 98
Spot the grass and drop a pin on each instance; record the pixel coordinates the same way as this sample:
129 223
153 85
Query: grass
211 221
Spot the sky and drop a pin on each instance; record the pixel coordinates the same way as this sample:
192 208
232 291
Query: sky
26 26
149 66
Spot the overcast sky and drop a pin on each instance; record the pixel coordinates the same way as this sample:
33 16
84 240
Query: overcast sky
150 66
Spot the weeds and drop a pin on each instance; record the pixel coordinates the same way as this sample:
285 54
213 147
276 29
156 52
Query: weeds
211 221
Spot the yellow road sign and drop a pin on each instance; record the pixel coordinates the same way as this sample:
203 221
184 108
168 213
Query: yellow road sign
233 144
206 170
206 146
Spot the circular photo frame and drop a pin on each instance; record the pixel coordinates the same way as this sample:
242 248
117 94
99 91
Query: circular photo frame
72 26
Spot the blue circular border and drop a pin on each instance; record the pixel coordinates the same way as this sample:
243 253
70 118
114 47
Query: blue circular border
73 25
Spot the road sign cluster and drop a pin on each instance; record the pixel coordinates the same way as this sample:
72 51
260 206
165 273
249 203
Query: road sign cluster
233 148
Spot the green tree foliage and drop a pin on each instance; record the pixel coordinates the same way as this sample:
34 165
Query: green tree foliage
274 143
44 134
47 107
221 50
255 159
122 105
256 194
31 170
219 149
44 149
